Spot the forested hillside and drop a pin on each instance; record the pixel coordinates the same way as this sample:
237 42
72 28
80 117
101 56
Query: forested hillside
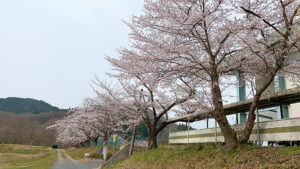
28 128
24 121
25 105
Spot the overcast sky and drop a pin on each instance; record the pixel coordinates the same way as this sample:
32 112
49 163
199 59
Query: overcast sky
51 49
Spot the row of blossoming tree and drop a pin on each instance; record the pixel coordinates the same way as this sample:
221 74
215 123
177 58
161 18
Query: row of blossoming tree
182 57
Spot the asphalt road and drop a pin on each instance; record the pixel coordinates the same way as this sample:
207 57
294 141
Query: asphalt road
69 163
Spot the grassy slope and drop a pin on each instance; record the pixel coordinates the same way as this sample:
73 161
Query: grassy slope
212 157
78 153
35 157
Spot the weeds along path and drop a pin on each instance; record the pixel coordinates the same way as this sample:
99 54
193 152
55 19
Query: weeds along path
69 163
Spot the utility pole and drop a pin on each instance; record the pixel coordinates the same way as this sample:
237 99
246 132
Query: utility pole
169 133
188 132
257 125
216 132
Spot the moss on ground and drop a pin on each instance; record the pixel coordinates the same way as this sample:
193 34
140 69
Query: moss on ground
180 157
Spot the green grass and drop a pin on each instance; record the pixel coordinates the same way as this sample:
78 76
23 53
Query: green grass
78 153
34 157
213 157
20 149
63 155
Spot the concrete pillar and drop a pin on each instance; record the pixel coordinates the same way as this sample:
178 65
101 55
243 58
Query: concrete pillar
188 133
257 125
241 95
216 133
282 110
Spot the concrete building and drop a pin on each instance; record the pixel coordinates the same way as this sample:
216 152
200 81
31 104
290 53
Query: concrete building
274 113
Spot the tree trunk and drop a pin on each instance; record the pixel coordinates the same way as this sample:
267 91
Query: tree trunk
229 134
269 79
105 149
95 141
132 141
250 122
152 143
251 116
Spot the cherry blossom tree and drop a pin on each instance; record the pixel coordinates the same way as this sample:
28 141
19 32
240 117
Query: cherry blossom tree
100 117
193 39
152 99
68 130
96 119
107 118
182 55
208 41
272 38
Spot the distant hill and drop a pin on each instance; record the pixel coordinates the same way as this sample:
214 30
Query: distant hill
25 105
28 128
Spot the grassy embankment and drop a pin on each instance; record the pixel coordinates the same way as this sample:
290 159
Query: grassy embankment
213 157
21 156
78 153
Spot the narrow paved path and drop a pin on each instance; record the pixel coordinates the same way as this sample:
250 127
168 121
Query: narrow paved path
69 163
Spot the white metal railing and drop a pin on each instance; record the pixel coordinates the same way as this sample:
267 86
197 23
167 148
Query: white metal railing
275 130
